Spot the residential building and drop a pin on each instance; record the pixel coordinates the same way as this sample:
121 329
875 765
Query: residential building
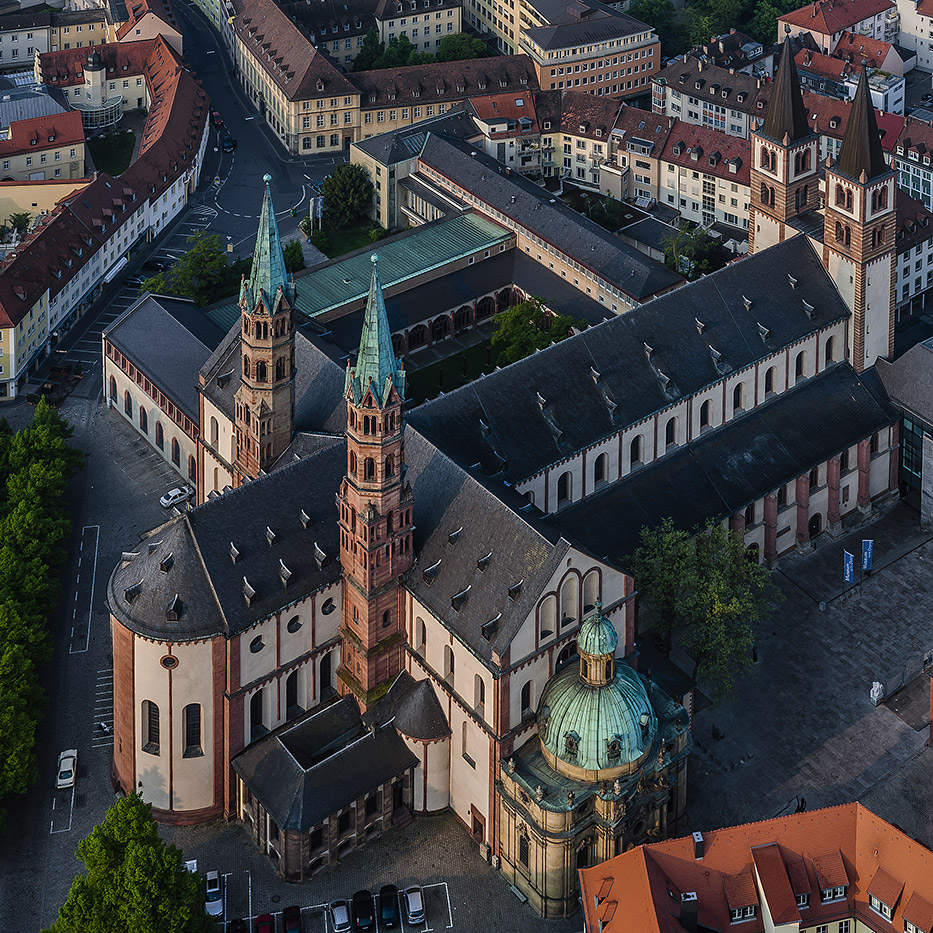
836 76
914 234
697 92
424 22
147 19
510 130
739 52
876 53
910 157
829 117
916 25
584 145
827 21
840 868
638 140
43 148
32 31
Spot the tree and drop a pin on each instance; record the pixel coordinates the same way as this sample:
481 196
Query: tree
526 327
691 251
400 52
201 274
134 880
711 592
460 46
294 256
19 221
348 193
371 52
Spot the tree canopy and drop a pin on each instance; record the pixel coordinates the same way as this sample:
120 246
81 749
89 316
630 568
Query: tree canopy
708 593
526 327
348 193
294 256
707 18
692 252
374 54
661 14
133 880
461 46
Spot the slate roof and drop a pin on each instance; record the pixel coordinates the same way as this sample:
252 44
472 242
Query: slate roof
203 574
404 144
520 438
913 222
580 22
785 114
307 770
861 147
305 444
413 708
642 127
169 339
582 114
536 209
737 91
727 469
909 380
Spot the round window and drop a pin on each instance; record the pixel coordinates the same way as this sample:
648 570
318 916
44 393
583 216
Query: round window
168 662
257 644
328 607
294 623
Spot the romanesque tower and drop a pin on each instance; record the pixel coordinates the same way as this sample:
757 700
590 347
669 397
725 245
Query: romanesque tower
858 233
375 506
265 400
785 151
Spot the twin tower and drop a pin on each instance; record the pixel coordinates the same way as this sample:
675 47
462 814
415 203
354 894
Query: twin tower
858 230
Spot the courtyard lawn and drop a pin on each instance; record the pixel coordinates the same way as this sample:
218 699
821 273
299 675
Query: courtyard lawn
448 374
112 153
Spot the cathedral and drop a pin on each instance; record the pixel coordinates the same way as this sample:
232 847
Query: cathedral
374 612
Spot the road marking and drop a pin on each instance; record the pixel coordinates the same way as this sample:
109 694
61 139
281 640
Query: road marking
71 808
90 601
450 915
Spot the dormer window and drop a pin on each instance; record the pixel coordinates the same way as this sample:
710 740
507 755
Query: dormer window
833 894
803 900
880 907
741 914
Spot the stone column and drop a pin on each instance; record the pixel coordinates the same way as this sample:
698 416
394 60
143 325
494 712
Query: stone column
770 522
737 523
802 497
864 473
833 518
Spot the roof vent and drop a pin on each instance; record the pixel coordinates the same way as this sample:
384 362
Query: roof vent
542 401
224 378
792 280
483 562
808 309
665 380
763 331
698 846
747 302
305 519
174 609
234 553
132 591
320 557
454 535
700 325
153 547
249 594
648 351
429 574
270 536
596 374
715 354
458 601
129 556
490 628
515 589
166 563
284 572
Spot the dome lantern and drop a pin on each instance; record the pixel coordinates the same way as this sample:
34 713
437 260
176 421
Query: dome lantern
597 645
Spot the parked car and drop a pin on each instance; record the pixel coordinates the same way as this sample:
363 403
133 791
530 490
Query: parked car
229 143
67 768
388 905
340 916
363 915
154 265
264 923
217 119
291 919
176 496
214 900
413 904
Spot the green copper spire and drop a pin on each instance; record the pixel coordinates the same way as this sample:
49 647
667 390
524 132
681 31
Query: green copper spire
376 360
268 271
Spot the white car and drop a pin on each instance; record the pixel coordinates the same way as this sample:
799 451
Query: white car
340 916
214 902
67 768
413 902
176 496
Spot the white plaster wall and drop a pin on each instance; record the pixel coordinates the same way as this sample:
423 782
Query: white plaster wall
878 308
469 785
261 663
880 471
327 619
293 645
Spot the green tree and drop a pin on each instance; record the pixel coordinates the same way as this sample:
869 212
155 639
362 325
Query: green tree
19 221
657 13
460 46
201 274
526 327
294 256
134 881
370 53
348 194
692 252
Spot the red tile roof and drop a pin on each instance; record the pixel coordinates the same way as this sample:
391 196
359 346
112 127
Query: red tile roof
652 128
773 872
914 222
829 116
829 17
583 114
58 129
66 67
861 49
137 9
825 66
494 108
849 843
705 149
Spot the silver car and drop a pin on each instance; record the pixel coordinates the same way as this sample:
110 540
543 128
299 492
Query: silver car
413 904
214 901
67 768
176 496
340 916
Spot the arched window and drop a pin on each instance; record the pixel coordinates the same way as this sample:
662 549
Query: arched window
176 452
769 380
765 160
261 371
600 467
215 431
113 389
705 412
479 694
764 194
256 727
386 618
840 235
388 465
245 365
280 369
564 487
448 664
770 201
846 235
670 433
291 696
828 351
750 515
782 496
800 365
570 600
567 653
421 634
352 463
369 469
738 397
590 591
192 717
149 727
464 747
143 420
874 444
128 403
814 478
192 468
160 436
547 617
528 698
634 450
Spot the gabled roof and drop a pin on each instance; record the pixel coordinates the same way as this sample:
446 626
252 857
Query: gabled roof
404 144
860 153
829 116
829 17
825 66
583 114
709 151
704 80
863 49
60 129
785 117
511 114
637 127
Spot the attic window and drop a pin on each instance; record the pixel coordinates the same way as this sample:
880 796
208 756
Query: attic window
458 601
234 553
284 572
174 609
763 331
270 536
132 591
166 563
490 628
791 280
249 594
515 589
429 574
305 519
320 558
454 535
808 309
483 562
747 302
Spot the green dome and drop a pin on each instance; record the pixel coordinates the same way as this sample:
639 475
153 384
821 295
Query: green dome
596 728
597 634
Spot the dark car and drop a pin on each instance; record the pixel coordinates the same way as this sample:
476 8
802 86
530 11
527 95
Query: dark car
229 143
217 119
154 265
388 905
291 919
264 923
363 916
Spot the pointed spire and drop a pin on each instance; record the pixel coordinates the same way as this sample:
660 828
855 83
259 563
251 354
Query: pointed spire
268 270
861 146
376 361
786 116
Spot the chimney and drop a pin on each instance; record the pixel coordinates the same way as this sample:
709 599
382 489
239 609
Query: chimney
688 911
698 846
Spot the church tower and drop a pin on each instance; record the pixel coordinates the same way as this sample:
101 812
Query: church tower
859 232
265 400
783 178
375 506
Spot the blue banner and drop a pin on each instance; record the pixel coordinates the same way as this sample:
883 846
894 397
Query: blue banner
319 207
867 547
848 564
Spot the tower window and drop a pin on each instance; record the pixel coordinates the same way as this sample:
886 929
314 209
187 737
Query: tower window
192 716
670 433
369 469
388 466
150 727
564 488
